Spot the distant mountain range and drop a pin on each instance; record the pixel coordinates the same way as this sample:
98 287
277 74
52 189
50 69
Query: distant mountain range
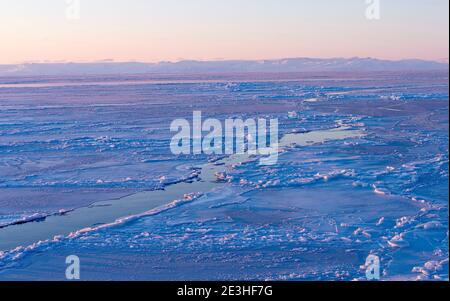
282 65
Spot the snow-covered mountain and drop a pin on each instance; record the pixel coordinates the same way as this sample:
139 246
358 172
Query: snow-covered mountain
282 65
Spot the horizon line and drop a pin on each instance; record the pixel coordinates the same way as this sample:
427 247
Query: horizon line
112 61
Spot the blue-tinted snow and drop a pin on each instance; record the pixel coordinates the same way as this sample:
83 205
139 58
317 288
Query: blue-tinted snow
317 214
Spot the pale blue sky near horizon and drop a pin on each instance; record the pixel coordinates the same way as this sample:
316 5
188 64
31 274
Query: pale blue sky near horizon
171 30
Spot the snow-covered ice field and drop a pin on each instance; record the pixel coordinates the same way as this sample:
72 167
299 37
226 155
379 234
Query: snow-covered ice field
86 169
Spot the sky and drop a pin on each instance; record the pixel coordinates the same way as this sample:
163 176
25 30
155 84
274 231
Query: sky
173 30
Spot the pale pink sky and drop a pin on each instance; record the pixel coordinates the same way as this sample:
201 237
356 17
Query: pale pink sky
157 30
